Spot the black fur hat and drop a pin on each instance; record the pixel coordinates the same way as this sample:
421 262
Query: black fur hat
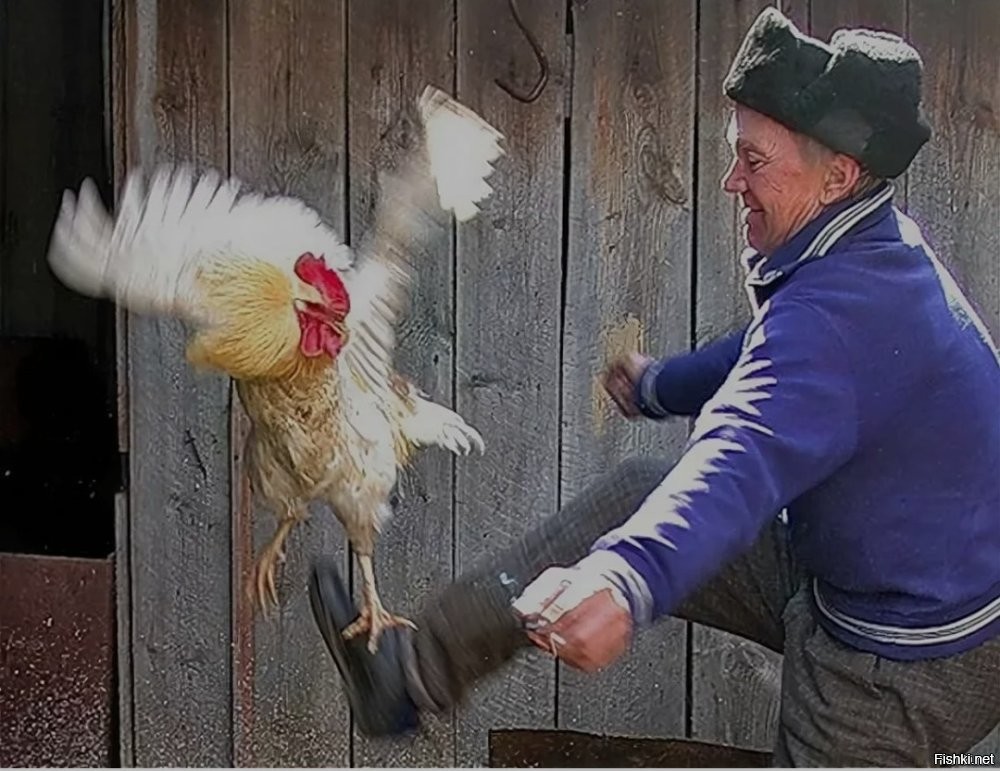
859 94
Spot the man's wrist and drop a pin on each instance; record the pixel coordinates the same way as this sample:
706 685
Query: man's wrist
645 396
625 579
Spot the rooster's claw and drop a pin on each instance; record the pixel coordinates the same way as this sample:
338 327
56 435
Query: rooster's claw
375 623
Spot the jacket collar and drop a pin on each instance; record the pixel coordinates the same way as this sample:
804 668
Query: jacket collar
817 238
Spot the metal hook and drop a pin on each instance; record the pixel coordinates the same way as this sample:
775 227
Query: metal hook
543 64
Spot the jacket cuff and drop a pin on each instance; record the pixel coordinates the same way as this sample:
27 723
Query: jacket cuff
633 587
645 395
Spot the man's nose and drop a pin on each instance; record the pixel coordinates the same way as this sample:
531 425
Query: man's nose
732 180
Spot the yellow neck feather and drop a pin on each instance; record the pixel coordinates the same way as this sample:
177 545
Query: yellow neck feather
255 332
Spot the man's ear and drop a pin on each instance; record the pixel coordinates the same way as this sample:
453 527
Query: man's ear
842 174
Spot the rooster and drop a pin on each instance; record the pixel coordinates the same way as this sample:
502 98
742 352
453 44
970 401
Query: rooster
274 299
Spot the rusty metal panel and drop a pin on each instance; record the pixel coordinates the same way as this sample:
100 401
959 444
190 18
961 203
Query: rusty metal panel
56 661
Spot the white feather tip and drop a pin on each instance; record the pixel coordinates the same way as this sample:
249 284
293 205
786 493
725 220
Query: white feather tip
78 243
461 147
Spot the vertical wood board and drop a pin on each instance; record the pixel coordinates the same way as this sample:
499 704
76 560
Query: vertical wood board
954 192
119 99
287 112
396 48
827 16
955 179
508 301
123 635
732 696
628 288
798 11
117 56
720 302
179 480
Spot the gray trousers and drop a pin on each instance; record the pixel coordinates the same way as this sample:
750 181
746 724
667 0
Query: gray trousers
839 706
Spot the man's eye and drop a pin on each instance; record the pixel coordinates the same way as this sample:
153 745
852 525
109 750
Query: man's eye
754 163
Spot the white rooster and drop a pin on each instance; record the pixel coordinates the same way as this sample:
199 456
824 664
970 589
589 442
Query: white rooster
278 302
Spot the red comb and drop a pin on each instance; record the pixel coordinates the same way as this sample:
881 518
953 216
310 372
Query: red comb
313 271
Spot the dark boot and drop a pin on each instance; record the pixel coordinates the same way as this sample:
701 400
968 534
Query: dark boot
375 685
469 629
467 632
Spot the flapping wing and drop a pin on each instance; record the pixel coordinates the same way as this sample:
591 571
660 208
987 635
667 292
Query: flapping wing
447 173
148 257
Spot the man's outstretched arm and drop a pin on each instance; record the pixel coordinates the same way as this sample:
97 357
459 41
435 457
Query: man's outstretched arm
681 385
783 420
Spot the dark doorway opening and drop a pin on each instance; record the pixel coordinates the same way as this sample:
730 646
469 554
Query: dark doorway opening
59 461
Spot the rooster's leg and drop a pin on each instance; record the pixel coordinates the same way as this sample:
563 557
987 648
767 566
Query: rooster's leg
268 560
374 618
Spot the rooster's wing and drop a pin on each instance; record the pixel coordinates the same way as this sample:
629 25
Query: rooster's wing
148 257
447 173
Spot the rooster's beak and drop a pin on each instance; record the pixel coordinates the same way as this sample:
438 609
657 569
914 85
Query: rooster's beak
307 293
318 311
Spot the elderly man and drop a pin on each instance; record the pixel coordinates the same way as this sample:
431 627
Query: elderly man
838 500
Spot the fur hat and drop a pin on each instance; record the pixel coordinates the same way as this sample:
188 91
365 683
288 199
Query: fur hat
859 94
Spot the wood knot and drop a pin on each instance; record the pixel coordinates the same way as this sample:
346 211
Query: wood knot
292 158
168 100
398 136
482 380
643 93
984 117
658 169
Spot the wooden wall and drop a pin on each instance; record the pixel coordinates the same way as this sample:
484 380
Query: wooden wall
608 229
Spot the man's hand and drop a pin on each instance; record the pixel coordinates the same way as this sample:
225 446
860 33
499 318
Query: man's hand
620 379
580 617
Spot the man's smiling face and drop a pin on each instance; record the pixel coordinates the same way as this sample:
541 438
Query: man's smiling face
781 178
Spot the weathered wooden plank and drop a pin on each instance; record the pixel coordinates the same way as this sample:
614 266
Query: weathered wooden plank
54 134
954 183
720 301
735 690
830 15
123 630
730 700
105 55
179 465
118 156
508 330
117 65
955 180
798 11
396 48
628 287
287 129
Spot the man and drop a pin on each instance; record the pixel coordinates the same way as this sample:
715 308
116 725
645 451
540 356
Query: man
863 401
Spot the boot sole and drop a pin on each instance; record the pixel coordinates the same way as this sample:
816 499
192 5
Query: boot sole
370 676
